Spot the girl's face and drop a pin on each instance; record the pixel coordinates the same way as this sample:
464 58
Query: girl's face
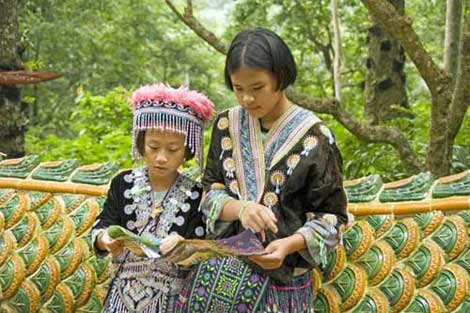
255 90
164 152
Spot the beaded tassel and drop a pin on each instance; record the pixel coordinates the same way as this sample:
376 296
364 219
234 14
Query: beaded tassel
177 124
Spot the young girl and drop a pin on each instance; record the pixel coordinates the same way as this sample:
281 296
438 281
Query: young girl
167 129
270 165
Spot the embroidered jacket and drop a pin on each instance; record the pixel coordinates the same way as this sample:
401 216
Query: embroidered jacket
294 169
129 206
145 284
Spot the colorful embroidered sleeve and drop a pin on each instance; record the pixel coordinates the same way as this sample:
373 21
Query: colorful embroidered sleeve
326 200
212 206
213 183
321 235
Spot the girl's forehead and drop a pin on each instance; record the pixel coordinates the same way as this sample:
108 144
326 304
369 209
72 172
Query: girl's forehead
166 135
247 75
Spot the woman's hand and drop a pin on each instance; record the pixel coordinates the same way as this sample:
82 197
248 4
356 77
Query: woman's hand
276 253
169 242
104 242
257 217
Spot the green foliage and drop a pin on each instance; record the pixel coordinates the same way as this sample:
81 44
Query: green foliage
461 159
463 137
305 26
103 128
103 125
99 45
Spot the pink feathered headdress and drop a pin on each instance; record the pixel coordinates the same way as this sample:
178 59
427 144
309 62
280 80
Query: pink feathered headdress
176 109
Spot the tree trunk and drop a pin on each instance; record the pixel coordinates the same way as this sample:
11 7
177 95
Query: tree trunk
438 158
385 81
13 118
338 59
452 37
461 96
437 80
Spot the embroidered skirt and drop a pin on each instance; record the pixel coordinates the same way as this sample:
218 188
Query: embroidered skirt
140 287
229 285
296 297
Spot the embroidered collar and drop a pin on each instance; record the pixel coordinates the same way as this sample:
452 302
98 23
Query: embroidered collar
143 202
253 159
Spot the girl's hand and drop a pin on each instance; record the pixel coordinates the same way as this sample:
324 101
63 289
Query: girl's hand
257 217
276 253
169 242
106 243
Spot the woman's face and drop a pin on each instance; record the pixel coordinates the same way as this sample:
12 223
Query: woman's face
164 152
256 92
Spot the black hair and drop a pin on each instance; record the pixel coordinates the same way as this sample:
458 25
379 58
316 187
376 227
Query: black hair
140 143
261 49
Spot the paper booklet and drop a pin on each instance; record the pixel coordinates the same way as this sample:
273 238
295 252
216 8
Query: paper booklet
144 245
189 251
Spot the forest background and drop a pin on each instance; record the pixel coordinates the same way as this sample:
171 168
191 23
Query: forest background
384 75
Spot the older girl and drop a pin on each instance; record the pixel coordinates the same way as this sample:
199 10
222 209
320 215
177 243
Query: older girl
271 164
